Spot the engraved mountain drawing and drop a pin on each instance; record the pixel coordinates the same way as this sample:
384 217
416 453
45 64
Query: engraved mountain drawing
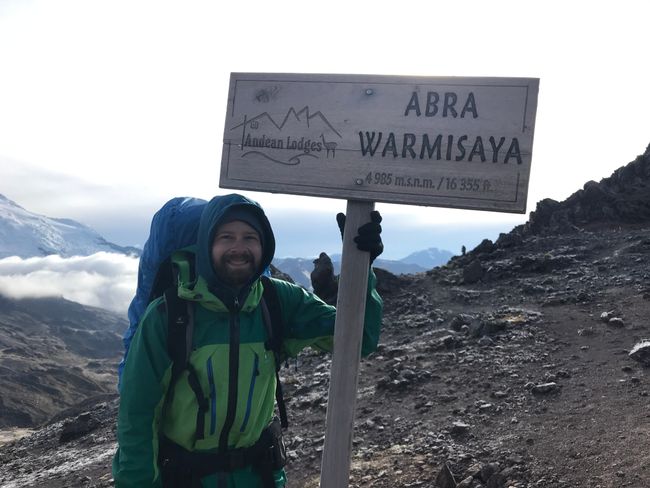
296 123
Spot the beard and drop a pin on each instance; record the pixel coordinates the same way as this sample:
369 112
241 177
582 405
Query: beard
236 269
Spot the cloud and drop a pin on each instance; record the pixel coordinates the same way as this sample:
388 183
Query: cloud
103 280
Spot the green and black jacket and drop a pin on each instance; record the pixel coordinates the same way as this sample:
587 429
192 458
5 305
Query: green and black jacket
307 322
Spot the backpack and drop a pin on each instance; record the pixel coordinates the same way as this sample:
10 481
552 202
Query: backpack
174 227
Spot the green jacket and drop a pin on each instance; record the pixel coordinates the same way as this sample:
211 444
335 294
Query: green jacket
307 321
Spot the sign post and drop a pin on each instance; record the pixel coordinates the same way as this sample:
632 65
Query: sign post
446 142
348 333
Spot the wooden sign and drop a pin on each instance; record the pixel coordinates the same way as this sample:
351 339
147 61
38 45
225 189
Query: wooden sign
446 142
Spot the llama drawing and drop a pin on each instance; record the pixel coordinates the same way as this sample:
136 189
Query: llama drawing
329 146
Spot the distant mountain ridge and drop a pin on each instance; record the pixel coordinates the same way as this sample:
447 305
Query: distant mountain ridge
428 258
418 262
26 234
298 268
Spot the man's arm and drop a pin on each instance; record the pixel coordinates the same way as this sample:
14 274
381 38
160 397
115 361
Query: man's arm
141 399
309 322
372 317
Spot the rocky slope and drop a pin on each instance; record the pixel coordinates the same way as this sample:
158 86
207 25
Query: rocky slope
508 367
624 197
53 353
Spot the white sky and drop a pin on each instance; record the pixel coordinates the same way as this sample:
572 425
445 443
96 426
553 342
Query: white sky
108 109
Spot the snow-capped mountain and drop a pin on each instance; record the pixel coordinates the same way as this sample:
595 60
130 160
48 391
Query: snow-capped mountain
26 234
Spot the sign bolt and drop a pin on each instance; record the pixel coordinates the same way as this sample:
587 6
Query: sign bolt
359 181
369 91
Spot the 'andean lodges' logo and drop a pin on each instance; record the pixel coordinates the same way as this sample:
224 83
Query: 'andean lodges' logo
299 134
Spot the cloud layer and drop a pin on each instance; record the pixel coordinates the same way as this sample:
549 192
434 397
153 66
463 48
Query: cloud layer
104 280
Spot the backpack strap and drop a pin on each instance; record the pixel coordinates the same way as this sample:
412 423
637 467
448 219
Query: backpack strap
180 331
272 314
179 327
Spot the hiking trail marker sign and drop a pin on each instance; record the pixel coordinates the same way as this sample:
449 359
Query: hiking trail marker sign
446 142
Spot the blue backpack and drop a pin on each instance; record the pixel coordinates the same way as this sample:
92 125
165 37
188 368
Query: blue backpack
174 226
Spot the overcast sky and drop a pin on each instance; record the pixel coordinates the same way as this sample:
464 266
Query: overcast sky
108 109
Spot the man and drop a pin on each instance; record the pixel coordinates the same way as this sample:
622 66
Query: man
211 427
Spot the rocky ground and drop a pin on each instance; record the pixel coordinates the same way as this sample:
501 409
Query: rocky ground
53 353
508 367
521 379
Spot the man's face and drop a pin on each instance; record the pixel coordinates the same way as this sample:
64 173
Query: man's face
236 253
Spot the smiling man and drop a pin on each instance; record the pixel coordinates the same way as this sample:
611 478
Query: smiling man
212 425
237 249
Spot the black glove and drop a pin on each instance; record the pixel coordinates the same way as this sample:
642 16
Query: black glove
323 280
369 235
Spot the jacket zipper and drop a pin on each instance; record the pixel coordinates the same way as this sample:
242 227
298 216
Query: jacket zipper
249 402
213 398
233 375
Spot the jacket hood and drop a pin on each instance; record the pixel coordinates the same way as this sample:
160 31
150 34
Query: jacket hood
212 216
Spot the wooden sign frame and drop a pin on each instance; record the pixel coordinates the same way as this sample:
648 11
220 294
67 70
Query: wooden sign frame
452 142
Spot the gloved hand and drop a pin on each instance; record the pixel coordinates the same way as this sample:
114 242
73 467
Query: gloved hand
368 236
323 280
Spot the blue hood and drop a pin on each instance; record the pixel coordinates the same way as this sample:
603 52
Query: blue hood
211 218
